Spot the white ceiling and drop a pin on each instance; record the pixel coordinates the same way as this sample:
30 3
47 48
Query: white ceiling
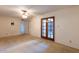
15 10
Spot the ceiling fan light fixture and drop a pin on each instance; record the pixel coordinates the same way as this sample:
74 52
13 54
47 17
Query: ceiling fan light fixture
24 16
24 11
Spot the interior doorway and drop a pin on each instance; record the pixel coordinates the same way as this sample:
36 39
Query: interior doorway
22 27
48 28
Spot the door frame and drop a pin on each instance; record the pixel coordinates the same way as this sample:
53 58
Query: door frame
47 28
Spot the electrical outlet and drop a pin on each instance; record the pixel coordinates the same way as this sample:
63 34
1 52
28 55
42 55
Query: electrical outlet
70 41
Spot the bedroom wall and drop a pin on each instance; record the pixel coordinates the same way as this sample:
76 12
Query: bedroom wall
66 26
35 26
5 26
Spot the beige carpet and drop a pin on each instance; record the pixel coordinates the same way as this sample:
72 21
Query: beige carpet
30 44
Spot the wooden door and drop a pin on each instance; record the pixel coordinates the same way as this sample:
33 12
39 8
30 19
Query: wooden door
48 28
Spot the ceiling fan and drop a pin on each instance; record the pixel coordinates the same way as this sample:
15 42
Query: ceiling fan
25 14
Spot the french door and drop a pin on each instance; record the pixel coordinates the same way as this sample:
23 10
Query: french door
48 28
22 27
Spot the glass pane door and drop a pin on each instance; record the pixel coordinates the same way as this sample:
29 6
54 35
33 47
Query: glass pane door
22 27
50 28
44 28
47 28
